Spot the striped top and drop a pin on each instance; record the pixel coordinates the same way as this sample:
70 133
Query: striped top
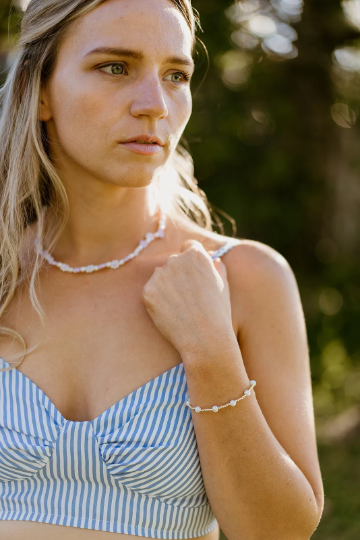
134 469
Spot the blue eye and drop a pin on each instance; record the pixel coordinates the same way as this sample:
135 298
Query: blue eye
184 77
116 68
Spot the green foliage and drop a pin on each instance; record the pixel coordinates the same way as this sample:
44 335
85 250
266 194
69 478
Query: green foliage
275 138
341 474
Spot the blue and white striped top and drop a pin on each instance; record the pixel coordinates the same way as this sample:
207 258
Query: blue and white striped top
134 469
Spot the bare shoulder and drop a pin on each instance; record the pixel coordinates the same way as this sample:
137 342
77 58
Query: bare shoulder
255 270
255 260
258 275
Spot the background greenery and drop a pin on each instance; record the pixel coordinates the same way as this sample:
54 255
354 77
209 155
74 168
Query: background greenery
275 139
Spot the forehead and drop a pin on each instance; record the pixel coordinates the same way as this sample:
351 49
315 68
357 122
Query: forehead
155 27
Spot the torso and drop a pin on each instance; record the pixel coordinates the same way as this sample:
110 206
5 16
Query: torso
99 344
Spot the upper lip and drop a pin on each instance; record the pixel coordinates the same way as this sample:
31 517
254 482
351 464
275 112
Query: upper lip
145 138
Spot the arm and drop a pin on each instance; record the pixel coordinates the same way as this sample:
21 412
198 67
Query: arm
259 459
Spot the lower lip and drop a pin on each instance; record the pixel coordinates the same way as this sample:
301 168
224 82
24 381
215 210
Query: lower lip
143 149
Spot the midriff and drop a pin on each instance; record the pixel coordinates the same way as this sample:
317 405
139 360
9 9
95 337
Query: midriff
30 530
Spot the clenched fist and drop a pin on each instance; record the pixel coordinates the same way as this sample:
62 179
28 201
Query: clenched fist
188 299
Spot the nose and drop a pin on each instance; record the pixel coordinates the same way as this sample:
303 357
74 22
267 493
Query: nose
148 99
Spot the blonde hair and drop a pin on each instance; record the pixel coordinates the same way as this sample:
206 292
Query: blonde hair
28 180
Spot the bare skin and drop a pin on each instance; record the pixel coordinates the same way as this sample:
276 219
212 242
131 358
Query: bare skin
91 344
91 348
14 530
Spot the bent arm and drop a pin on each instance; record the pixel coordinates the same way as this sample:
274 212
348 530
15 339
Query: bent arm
259 459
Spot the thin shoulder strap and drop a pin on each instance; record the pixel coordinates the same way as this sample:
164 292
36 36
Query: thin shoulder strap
225 248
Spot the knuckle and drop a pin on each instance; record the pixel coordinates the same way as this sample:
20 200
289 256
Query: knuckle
172 258
147 292
196 255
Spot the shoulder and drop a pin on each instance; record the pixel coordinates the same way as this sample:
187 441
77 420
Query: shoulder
257 263
254 269
262 283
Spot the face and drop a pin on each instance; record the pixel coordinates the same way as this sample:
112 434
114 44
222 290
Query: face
122 75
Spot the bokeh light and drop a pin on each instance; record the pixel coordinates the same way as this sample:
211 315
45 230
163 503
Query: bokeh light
266 25
330 301
352 12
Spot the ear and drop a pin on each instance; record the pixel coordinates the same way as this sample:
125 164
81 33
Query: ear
44 107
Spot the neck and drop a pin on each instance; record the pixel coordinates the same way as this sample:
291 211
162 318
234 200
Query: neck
106 226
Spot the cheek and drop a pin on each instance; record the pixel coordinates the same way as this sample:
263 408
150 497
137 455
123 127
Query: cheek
186 105
82 115
180 112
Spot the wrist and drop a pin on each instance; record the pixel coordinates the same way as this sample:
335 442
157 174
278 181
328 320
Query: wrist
211 349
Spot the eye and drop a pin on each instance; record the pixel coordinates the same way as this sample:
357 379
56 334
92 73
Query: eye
116 68
179 77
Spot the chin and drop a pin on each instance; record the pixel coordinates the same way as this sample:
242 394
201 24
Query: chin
135 178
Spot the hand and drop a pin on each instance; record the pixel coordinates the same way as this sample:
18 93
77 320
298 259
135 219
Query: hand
188 298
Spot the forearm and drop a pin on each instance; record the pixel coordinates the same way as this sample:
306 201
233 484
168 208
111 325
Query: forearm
255 489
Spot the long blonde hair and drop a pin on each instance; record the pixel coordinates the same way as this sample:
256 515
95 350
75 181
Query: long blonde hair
28 180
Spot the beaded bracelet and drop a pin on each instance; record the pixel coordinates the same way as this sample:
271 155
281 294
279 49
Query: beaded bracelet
215 408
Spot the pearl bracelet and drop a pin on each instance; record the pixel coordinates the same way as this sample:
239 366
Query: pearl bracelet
215 408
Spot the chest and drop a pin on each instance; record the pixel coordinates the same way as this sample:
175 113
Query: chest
98 344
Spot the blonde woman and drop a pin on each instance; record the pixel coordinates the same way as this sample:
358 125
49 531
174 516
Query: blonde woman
130 349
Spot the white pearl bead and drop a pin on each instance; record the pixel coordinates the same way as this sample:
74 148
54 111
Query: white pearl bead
247 392
232 403
149 237
253 382
188 403
197 409
215 408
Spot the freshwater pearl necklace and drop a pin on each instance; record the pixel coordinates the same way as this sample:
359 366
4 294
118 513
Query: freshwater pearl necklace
149 237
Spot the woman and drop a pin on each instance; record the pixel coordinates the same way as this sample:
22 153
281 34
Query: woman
103 432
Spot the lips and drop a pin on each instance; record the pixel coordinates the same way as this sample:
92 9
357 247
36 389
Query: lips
144 139
145 145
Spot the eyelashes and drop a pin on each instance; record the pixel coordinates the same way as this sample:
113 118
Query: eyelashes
113 64
186 76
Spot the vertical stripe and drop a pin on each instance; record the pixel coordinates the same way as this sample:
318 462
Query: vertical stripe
135 469
54 470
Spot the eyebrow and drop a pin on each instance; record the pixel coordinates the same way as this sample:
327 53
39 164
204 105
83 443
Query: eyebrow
136 55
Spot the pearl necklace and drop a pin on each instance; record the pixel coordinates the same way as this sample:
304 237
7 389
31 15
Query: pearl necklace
149 237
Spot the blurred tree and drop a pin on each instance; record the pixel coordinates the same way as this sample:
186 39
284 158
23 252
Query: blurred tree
275 137
9 17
